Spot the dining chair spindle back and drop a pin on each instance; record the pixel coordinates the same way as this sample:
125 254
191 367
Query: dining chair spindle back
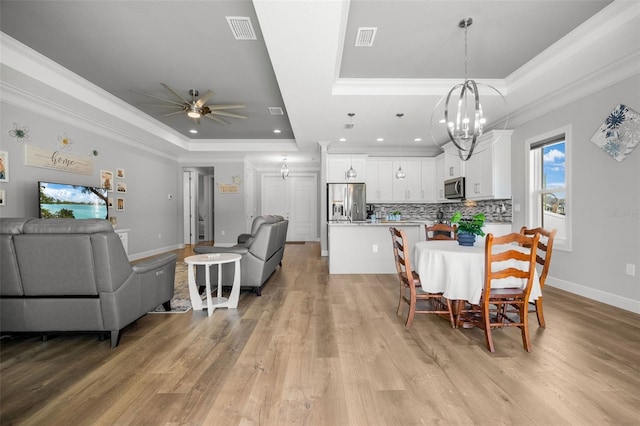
508 256
411 291
545 249
441 231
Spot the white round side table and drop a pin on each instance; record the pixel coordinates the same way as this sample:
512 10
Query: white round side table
207 260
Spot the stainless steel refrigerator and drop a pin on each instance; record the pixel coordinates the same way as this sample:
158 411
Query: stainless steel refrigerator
346 202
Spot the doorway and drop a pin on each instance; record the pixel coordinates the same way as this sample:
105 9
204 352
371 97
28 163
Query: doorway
198 202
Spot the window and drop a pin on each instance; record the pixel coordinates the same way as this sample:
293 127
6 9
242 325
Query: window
549 188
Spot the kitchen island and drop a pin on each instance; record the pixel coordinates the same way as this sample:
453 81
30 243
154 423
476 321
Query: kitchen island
365 247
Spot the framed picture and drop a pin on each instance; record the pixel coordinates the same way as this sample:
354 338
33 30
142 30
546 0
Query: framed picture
4 166
120 204
120 173
110 202
3 196
121 187
106 180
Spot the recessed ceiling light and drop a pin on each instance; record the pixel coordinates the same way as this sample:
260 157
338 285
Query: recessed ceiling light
277 131
342 139
417 140
380 139
193 131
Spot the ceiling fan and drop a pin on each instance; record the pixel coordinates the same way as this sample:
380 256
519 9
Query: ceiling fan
195 108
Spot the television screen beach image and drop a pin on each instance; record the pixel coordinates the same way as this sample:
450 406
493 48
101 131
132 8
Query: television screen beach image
59 200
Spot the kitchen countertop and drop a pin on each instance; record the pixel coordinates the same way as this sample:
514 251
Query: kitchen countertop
381 223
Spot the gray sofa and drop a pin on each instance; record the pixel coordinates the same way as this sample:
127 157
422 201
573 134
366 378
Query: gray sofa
68 275
261 251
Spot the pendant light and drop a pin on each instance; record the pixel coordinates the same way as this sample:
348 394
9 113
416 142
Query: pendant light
351 173
400 174
284 169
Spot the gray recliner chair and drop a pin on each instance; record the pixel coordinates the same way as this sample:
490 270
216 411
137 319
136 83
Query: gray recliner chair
262 251
69 275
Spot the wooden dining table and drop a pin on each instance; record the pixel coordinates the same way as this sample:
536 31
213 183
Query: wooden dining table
458 271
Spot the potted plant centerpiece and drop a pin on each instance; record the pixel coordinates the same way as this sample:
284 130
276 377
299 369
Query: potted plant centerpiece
468 228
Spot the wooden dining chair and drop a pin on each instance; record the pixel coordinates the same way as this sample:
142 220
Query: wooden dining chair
441 231
543 257
411 291
490 312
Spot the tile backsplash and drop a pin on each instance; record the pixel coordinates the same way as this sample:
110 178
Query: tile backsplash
494 210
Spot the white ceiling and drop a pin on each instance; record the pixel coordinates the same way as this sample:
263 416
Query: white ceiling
304 61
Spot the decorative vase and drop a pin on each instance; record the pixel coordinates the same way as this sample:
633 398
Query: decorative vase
465 239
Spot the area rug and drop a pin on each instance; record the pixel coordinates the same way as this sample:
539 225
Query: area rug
181 302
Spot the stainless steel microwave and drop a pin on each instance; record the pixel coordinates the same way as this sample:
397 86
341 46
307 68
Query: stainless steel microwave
454 189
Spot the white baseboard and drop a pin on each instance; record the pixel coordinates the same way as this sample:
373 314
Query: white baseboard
154 252
621 302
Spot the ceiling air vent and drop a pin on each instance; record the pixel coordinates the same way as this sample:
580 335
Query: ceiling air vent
365 36
276 111
241 27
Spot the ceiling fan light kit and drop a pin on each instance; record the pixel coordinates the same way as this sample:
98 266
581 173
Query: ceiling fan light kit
196 108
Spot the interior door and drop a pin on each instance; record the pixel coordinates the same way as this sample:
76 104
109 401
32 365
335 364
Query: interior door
296 200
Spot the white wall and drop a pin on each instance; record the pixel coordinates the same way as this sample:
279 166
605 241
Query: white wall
606 200
153 217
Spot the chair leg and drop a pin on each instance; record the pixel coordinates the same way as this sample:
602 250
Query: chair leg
411 314
540 312
524 317
488 337
451 318
400 300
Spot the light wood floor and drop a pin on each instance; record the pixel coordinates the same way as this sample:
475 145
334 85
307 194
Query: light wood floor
330 350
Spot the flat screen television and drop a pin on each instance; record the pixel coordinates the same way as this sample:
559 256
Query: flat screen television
61 200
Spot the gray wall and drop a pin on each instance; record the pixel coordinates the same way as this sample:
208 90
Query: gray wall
154 218
229 207
606 200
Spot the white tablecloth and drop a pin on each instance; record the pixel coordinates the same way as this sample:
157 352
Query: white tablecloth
458 271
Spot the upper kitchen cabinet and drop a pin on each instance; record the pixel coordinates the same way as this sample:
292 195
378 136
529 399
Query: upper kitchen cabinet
453 164
488 171
337 166
379 180
429 181
440 178
408 189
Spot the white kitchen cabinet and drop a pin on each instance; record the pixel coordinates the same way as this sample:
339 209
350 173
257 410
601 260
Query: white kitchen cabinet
440 178
428 180
379 180
410 188
488 171
337 166
453 164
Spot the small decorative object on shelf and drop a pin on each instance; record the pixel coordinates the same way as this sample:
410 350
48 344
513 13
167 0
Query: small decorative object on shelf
468 228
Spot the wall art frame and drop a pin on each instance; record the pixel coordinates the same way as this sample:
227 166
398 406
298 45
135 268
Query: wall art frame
619 134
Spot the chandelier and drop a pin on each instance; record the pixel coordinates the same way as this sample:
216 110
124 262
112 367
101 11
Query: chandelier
466 126
284 169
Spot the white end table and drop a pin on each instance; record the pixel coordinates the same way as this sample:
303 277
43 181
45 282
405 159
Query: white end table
213 302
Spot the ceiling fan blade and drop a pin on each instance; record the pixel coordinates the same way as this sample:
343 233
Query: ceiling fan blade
236 106
173 113
178 95
163 106
228 114
155 97
204 98
219 120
